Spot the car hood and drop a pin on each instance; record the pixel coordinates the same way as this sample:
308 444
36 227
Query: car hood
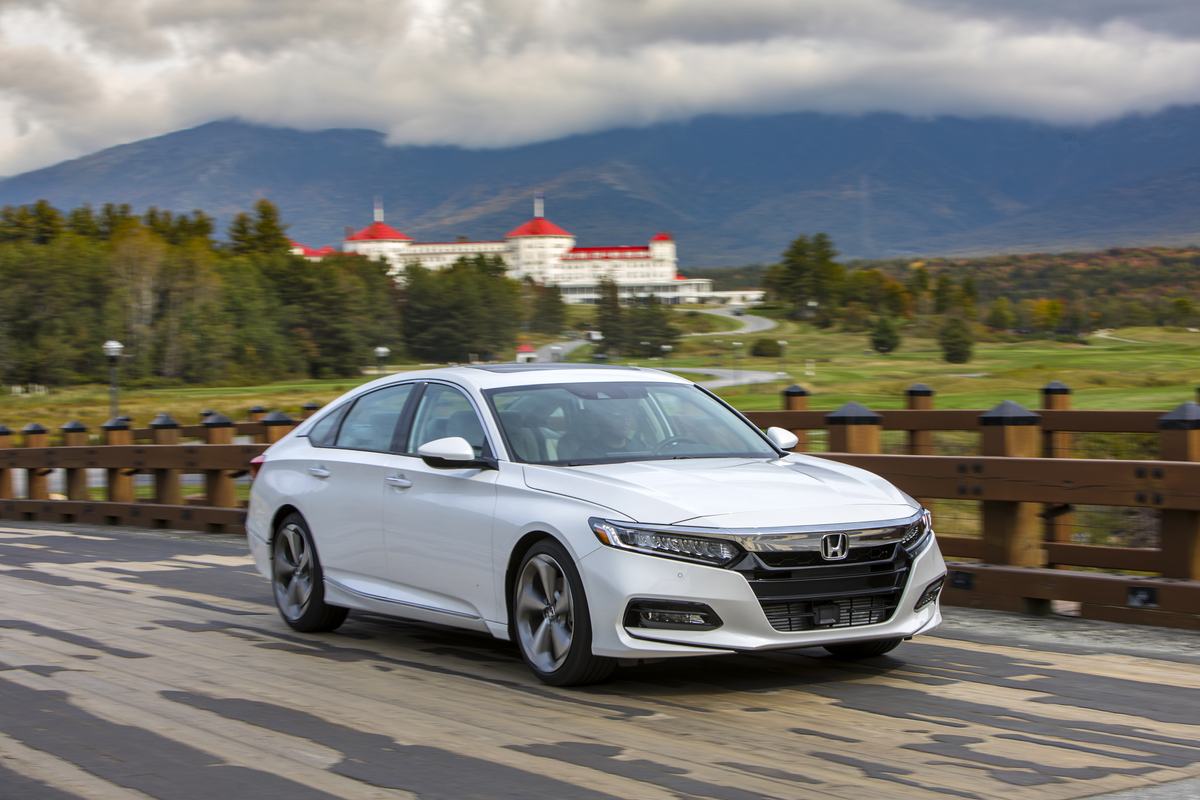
730 493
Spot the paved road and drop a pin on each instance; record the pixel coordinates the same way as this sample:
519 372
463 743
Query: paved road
750 323
151 664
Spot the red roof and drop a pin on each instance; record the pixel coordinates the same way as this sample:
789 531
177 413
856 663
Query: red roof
538 226
526 349
663 237
307 252
377 230
326 251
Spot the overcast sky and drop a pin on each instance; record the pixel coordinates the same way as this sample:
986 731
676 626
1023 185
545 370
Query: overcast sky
79 75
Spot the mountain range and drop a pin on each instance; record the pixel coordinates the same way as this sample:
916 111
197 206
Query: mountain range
732 190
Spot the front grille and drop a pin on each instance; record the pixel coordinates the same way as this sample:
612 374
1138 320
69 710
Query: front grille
809 558
803 592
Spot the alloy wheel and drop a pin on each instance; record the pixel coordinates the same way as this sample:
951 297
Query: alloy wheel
545 613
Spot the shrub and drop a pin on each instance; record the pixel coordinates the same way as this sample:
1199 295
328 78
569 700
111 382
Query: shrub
956 341
765 348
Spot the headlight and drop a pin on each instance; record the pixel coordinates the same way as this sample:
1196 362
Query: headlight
660 543
919 533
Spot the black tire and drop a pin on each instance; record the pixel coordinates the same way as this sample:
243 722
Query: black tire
549 619
856 650
298 582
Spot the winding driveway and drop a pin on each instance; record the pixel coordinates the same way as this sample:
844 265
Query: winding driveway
723 378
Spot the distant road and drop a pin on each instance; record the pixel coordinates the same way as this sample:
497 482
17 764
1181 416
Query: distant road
750 323
723 378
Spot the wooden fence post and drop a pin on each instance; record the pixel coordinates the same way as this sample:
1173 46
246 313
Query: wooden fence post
919 397
1011 530
308 409
853 428
1179 432
1057 444
256 415
795 398
217 483
36 487
120 482
277 424
167 490
6 486
75 434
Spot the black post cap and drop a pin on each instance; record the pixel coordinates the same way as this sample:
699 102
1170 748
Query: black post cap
115 424
4 431
1010 413
1055 387
1184 417
258 410
74 426
208 412
33 427
215 420
853 414
277 418
795 390
164 420
310 406
920 390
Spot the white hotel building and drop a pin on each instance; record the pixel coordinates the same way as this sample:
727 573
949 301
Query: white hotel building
541 250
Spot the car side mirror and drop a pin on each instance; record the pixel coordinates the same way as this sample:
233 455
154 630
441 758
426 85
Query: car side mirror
783 439
453 452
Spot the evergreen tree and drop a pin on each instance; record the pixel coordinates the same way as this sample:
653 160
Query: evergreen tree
885 337
1001 316
549 312
943 294
610 319
956 340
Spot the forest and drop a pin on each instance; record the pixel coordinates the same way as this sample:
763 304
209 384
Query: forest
193 310
1064 294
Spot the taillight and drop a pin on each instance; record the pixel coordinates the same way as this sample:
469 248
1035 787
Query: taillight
256 464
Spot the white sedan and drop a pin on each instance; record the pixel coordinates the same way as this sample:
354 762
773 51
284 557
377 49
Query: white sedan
591 514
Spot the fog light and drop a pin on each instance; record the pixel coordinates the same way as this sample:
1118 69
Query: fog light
930 594
671 615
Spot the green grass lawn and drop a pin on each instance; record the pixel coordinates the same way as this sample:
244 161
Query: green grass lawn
1158 369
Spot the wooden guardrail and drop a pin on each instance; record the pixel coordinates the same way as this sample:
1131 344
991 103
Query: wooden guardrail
123 452
1027 486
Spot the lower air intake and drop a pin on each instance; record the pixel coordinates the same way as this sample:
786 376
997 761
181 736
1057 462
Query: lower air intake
791 616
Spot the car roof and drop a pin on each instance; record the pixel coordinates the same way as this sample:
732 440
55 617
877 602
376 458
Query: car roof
493 376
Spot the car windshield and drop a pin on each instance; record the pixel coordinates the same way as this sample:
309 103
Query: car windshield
598 423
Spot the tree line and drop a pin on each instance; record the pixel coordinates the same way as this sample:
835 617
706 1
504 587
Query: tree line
191 309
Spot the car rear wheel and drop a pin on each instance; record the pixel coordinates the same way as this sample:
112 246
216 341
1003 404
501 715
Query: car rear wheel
550 619
297 579
863 649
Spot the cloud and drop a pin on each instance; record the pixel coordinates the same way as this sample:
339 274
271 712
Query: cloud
77 75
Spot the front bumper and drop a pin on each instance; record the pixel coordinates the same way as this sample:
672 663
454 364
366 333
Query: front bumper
613 578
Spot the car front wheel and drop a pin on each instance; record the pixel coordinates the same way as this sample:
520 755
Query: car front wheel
297 579
550 619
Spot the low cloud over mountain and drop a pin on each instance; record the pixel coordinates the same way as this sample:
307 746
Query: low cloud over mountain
79 75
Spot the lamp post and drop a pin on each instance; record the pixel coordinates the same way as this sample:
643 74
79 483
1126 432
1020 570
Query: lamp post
113 349
782 351
720 343
381 353
555 354
666 351
737 356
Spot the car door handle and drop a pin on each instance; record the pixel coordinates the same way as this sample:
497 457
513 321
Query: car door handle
399 481
319 472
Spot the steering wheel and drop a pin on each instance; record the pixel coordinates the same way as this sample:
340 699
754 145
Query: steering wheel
662 446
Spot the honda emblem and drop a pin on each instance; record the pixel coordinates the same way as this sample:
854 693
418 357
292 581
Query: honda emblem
835 546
